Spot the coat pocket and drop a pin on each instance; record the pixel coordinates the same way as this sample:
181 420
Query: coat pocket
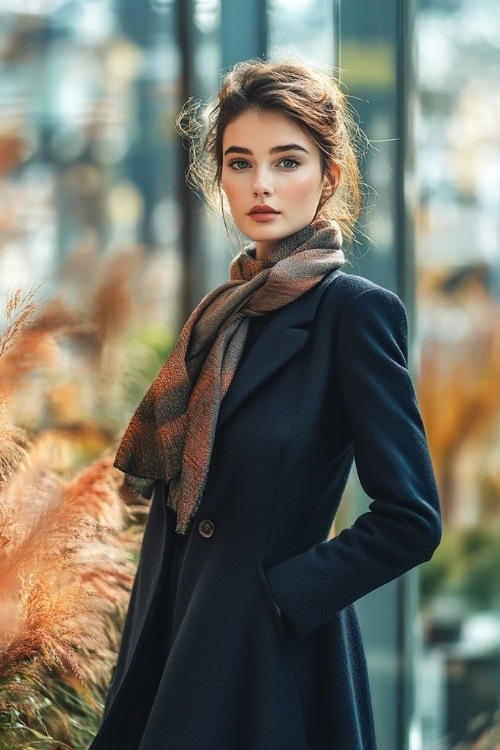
272 606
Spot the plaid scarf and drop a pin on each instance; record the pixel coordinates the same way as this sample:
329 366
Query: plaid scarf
172 432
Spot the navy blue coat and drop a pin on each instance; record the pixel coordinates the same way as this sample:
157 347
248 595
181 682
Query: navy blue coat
264 651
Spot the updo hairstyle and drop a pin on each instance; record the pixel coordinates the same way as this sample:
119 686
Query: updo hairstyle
311 98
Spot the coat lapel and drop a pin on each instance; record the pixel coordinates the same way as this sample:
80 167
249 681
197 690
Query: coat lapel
284 337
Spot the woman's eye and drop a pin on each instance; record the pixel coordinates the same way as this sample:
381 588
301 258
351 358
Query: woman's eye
289 162
238 164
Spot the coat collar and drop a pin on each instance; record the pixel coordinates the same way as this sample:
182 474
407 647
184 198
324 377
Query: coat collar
286 334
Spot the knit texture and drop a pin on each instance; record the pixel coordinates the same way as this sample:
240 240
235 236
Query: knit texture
172 432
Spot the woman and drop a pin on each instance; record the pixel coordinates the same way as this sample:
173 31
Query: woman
241 633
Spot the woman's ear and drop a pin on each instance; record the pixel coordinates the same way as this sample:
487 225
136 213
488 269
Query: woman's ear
331 181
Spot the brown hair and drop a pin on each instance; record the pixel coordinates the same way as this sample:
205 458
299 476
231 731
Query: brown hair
310 97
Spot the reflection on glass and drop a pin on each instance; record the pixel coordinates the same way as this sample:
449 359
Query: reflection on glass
161 6
302 27
207 15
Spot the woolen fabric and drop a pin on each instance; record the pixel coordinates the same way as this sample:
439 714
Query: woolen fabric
171 434
324 381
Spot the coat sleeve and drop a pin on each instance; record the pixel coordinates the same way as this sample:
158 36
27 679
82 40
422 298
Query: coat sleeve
402 527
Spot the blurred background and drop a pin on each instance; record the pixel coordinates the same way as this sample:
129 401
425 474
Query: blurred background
111 252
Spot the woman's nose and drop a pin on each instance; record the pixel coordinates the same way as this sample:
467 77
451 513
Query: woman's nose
262 184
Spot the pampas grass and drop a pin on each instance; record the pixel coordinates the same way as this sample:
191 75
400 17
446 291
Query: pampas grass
68 541
19 309
66 566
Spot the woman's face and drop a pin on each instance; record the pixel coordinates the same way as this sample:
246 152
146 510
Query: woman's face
272 177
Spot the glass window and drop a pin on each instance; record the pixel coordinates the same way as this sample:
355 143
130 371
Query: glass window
459 338
88 91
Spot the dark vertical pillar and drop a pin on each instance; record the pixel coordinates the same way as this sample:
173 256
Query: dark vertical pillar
376 57
406 189
337 32
243 30
407 201
184 10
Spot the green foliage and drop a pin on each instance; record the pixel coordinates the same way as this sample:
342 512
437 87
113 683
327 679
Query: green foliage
467 564
145 356
48 713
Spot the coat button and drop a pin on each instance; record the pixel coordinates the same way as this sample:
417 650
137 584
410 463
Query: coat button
206 529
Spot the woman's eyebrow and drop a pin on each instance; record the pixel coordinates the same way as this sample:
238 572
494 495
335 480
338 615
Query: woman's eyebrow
273 150
237 150
288 147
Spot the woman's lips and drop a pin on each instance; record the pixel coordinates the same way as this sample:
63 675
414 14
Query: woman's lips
263 213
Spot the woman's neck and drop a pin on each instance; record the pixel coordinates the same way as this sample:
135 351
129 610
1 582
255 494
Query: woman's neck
263 250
